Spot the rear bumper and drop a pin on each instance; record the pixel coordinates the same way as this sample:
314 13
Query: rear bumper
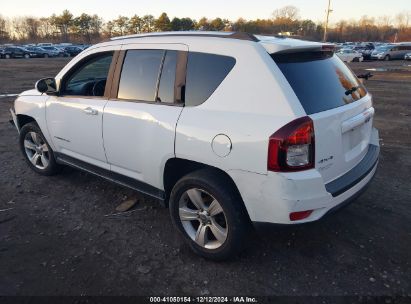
354 176
271 198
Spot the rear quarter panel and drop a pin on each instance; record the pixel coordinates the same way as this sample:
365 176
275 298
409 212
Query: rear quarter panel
251 103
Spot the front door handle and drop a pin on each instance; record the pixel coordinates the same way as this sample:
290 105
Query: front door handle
90 111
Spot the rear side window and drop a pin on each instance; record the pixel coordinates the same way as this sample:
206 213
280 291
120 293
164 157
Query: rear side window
205 72
320 80
168 76
139 75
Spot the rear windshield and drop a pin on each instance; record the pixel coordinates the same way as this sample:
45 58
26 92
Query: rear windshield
320 80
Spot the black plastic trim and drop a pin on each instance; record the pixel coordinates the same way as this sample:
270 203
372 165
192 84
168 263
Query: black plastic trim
355 175
111 176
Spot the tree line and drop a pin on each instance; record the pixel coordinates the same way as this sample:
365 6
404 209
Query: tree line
91 28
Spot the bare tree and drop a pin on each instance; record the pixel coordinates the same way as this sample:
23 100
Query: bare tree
63 23
135 25
90 28
287 12
31 28
45 28
121 25
18 28
4 33
403 20
148 23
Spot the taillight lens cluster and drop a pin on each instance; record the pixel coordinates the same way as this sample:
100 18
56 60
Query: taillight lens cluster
292 147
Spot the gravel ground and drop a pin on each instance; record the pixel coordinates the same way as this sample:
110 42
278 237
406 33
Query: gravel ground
58 235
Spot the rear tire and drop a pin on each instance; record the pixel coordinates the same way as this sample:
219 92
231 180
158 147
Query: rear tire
46 56
210 214
26 56
36 151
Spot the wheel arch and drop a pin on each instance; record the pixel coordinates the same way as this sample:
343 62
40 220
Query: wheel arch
176 168
23 119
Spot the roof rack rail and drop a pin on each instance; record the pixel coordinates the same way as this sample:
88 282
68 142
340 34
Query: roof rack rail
233 35
243 36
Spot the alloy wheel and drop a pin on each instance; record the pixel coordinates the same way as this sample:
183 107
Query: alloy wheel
36 150
203 218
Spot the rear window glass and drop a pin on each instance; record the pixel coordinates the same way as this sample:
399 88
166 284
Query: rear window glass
320 80
205 72
168 76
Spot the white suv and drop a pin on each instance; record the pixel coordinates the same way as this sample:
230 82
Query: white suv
229 130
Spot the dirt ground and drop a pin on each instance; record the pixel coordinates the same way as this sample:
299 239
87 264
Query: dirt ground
58 237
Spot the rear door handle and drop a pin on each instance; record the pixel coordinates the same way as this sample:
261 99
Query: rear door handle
90 111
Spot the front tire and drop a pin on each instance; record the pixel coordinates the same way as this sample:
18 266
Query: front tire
36 151
387 58
208 211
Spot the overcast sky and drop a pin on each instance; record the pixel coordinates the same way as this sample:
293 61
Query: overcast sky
231 9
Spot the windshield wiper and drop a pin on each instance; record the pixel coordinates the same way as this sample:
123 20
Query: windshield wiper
352 90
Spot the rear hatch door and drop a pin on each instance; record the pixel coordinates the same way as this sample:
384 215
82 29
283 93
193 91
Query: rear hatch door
337 103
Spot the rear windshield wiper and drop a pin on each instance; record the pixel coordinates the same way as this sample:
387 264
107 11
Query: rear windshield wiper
352 90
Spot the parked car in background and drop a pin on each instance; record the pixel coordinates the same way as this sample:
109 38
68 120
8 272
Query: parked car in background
365 49
73 50
84 46
392 51
15 52
35 52
175 123
44 53
349 55
44 44
407 56
60 52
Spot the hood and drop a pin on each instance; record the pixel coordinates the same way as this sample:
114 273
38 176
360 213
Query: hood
32 92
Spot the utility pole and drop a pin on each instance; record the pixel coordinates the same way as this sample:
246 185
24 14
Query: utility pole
329 10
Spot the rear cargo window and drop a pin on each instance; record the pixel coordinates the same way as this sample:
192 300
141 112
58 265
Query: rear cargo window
205 72
320 80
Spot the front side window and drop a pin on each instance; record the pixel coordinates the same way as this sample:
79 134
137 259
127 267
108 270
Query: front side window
205 72
139 75
89 79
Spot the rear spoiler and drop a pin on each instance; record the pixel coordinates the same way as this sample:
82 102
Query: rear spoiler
288 45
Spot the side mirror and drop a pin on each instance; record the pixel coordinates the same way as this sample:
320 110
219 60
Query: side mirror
46 85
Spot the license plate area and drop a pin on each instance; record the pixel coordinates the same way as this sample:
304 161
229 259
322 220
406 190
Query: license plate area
356 133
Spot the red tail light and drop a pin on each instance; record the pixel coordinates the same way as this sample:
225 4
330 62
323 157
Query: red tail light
296 216
292 147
